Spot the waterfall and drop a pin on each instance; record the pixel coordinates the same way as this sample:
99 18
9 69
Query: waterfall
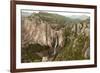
56 44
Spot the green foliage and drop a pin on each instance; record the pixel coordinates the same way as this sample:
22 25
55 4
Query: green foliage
28 54
73 47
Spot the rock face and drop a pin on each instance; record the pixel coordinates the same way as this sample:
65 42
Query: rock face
41 33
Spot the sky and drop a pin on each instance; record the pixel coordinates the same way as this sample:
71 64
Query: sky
64 13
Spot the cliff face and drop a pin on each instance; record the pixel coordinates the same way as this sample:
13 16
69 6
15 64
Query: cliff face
39 31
